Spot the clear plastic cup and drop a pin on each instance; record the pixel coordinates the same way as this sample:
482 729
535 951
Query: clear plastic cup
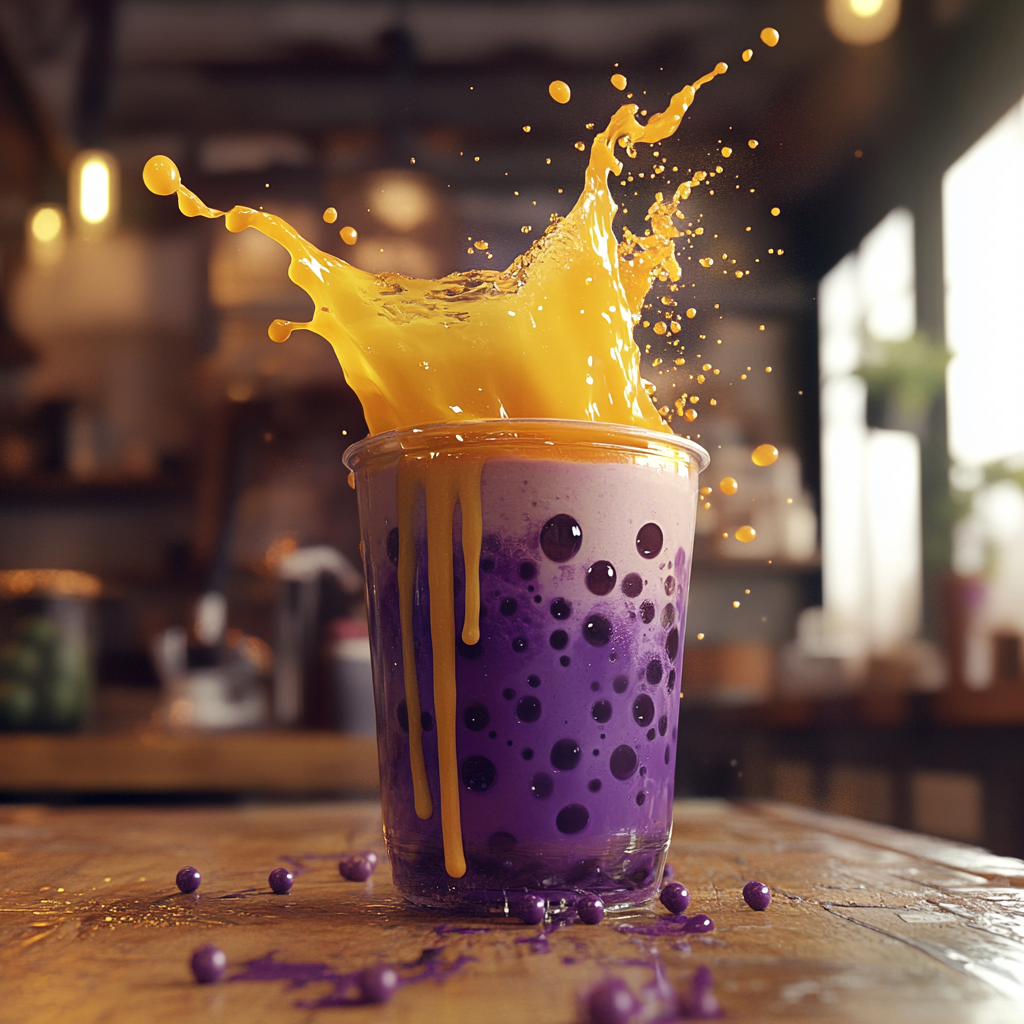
539 759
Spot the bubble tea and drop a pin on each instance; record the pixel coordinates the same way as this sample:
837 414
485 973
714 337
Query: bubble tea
559 751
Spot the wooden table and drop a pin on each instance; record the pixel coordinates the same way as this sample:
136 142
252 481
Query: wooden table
867 924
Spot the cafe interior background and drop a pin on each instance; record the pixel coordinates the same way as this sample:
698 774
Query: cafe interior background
182 603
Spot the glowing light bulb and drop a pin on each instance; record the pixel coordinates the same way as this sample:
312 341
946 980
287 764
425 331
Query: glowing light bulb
866 8
47 224
94 194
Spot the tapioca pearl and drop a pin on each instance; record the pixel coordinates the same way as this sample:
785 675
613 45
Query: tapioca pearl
476 717
559 639
651 733
666 755
674 731
601 711
519 644
542 785
508 693
601 578
427 721
668 615
670 585
469 651
528 709
595 686
672 644
508 743
654 671
533 681
565 755
402 714
649 540
597 630
560 608
643 710
508 607
623 762
487 565
594 785
501 842
663 725
392 546
572 819
640 799
527 570
561 537
492 735
671 680
565 660
632 584
647 612
643 771
478 773
620 684
537 599
527 753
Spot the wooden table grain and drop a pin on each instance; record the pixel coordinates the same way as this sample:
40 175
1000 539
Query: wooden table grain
867 923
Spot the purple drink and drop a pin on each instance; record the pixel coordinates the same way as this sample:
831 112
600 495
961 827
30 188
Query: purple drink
548 756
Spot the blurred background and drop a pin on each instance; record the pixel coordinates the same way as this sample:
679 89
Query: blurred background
180 598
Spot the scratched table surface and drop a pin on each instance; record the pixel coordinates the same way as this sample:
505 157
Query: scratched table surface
867 923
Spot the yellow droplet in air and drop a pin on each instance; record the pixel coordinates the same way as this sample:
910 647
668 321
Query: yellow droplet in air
559 91
775 211
752 143
161 175
745 534
707 262
727 151
349 235
764 455
705 491
728 485
660 328
691 313
690 415
330 215
480 244
747 54
769 36
526 128
619 81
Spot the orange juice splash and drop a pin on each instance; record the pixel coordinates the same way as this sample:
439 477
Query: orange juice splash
548 337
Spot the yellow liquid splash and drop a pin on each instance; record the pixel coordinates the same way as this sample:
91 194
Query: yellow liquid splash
549 337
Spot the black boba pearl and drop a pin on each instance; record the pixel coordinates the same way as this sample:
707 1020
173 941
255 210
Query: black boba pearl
620 684
427 721
478 774
647 612
561 537
594 785
671 680
487 565
560 608
509 606
537 599
393 546
632 584
643 710
595 686
653 671
508 693
527 571
564 660
572 819
534 681
476 717
601 711
649 540
402 713
527 753
623 762
565 755
597 631
542 785
559 639
672 644
651 733
520 644
668 615
663 725
640 798
666 755
493 735
670 585
601 578
528 709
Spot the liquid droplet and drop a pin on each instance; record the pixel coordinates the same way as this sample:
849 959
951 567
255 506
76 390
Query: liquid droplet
619 81
728 485
161 175
752 143
559 91
745 534
330 215
764 455
769 36
747 54
727 151
775 211
349 235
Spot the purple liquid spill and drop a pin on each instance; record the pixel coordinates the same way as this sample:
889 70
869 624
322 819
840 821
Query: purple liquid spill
678 925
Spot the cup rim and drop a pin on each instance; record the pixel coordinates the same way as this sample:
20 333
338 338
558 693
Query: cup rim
613 435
